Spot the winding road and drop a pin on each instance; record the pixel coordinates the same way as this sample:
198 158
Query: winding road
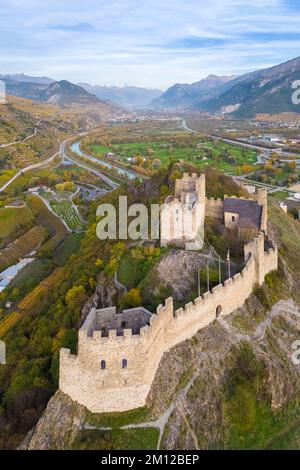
20 141
106 179
61 152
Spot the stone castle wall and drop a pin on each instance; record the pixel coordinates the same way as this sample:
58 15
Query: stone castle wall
214 208
116 389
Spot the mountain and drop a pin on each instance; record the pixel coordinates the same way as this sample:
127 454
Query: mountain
267 91
62 93
184 95
22 78
127 96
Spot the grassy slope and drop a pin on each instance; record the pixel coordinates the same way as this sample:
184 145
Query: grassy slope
12 221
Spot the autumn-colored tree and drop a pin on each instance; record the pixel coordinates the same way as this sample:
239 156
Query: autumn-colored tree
75 296
131 299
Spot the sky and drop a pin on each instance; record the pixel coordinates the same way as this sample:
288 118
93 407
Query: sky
150 43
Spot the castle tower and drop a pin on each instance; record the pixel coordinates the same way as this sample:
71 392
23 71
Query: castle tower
262 199
201 188
182 217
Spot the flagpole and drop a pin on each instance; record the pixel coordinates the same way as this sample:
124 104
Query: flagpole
207 276
220 277
228 263
199 283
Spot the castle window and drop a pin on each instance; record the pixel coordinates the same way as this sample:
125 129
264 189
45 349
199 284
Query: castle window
233 218
103 365
124 363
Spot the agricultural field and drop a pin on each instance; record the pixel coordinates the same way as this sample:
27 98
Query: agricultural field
6 175
13 223
200 152
66 211
23 246
32 302
15 124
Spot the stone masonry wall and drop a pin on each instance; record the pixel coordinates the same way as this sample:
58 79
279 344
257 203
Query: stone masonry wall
116 389
214 208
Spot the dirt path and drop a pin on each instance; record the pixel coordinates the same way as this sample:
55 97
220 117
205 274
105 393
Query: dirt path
20 141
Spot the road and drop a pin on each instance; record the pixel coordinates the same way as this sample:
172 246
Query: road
261 159
238 142
28 168
61 152
19 141
104 178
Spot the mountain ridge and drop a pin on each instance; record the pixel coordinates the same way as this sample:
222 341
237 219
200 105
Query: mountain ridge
267 91
127 96
182 95
62 93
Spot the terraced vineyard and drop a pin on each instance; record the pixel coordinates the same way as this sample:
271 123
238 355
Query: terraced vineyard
67 212
22 247
32 302
14 222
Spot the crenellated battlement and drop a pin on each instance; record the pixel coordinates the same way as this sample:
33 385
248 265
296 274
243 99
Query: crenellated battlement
119 352
114 368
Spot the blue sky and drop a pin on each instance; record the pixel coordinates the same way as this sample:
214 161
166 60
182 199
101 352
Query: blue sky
152 43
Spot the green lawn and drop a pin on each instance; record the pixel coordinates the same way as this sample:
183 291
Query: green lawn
169 152
117 420
117 439
280 195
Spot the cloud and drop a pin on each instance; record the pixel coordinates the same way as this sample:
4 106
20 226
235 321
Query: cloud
149 42
79 27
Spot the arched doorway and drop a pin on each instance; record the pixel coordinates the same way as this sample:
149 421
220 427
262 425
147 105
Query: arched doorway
219 311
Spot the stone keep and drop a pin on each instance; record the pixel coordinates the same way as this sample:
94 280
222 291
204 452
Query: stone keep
182 217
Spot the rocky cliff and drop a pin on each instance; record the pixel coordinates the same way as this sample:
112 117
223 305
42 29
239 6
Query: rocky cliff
233 385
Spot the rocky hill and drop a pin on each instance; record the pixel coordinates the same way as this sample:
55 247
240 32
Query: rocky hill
62 93
233 385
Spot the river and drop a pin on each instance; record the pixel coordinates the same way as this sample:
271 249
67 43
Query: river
75 147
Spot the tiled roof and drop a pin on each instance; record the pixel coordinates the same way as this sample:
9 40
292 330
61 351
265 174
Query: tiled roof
247 209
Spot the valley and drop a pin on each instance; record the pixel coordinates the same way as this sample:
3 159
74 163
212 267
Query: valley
58 162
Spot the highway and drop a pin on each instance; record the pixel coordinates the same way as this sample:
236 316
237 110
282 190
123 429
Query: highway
264 150
261 159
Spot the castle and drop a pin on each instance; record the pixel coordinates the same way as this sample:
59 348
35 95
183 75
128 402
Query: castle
183 216
119 353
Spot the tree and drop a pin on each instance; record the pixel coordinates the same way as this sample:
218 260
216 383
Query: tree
75 296
131 299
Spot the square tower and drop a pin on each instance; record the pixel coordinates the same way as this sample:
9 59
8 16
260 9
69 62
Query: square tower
182 216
